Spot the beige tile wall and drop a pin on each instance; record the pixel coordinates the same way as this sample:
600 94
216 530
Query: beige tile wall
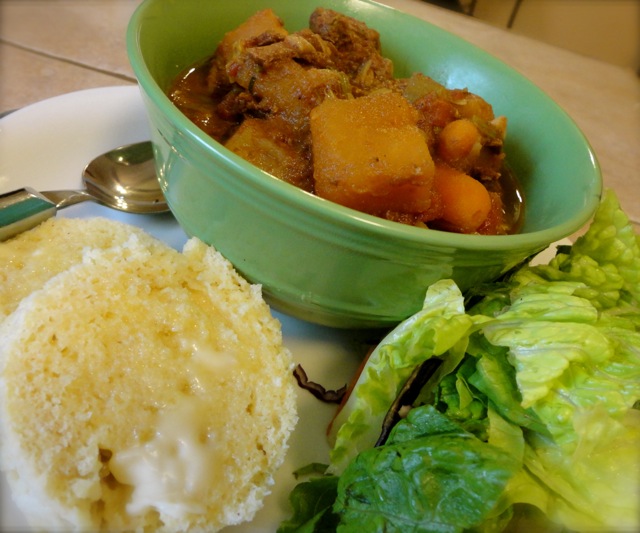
608 30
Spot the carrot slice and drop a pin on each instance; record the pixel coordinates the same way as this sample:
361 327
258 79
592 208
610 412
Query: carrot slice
465 201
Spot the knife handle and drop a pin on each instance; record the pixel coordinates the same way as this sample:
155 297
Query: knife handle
21 210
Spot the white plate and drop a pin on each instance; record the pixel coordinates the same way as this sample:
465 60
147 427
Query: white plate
46 146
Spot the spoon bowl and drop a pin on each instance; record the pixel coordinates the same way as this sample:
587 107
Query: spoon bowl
123 178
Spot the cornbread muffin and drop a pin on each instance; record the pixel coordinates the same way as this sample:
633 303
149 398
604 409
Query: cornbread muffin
30 259
143 389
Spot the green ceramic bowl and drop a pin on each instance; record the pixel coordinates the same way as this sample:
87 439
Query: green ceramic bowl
322 262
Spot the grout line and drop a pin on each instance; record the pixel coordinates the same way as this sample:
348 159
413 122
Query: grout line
69 61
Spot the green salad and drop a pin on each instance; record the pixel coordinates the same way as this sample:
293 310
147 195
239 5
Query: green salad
511 408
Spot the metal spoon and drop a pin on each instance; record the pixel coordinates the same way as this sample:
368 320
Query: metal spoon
123 178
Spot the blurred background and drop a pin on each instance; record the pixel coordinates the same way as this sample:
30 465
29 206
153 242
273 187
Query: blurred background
608 30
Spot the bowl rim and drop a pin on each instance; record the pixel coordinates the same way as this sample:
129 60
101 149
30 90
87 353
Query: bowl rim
349 217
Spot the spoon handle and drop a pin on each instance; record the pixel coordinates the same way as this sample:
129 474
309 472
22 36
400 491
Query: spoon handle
21 210
66 198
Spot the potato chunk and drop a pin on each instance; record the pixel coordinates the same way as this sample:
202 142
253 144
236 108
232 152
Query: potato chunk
267 144
370 155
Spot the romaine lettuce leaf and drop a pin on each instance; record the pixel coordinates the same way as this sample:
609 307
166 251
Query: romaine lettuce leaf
438 329
431 476
312 502
496 378
605 261
597 487
612 243
581 381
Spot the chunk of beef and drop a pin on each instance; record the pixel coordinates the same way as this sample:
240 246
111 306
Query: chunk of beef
358 49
